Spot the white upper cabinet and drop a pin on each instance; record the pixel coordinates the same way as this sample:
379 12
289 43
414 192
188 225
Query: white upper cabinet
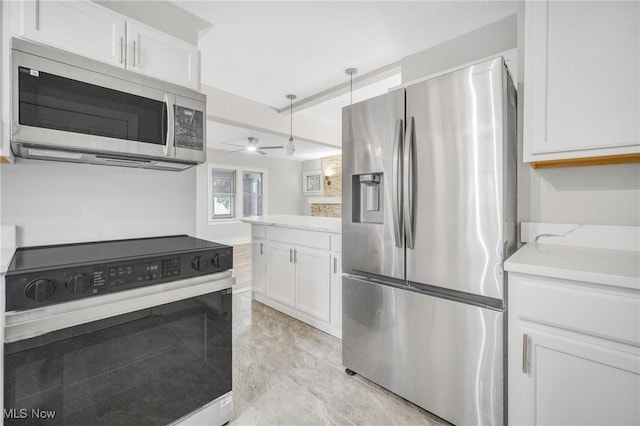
581 80
80 27
90 30
153 53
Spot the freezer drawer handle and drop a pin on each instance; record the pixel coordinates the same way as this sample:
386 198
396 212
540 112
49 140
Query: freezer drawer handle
396 184
261 248
335 265
525 349
290 255
409 184
295 255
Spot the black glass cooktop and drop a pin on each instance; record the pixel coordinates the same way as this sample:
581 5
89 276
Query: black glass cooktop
43 257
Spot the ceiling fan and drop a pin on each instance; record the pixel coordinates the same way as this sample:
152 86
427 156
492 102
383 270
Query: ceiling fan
252 146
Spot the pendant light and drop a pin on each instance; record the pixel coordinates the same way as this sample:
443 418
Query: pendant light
350 72
291 148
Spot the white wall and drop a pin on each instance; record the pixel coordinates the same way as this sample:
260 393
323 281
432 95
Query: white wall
601 195
284 193
55 202
309 165
490 40
227 108
598 195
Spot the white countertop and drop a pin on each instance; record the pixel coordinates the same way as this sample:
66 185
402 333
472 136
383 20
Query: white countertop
602 266
313 223
6 254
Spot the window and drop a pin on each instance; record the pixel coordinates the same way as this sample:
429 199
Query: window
235 192
223 193
252 194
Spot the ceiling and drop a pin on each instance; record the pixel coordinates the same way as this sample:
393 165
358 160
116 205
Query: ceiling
227 136
263 50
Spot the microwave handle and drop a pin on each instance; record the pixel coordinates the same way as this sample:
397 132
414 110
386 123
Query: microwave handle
169 150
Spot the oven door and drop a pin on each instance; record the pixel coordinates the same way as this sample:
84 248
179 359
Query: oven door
71 107
146 356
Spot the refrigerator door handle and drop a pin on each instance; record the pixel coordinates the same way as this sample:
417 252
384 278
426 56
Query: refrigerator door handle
396 184
409 183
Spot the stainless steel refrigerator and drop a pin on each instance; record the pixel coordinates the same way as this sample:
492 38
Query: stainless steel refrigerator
429 216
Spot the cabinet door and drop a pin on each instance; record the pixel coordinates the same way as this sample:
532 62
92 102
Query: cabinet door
159 55
581 68
336 289
281 274
81 27
258 266
313 285
568 379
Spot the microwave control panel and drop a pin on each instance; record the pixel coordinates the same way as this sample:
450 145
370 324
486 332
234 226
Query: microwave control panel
189 128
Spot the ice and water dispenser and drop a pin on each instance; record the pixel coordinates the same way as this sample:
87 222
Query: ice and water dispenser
368 198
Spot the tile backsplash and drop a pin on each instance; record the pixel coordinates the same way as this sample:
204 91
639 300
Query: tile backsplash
326 210
332 171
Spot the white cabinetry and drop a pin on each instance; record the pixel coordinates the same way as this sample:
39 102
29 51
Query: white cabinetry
90 30
281 278
574 354
258 259
313 284
303 275
155 54
80 27
582 61
336 280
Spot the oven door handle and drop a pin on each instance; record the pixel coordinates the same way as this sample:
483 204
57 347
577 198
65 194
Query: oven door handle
20 325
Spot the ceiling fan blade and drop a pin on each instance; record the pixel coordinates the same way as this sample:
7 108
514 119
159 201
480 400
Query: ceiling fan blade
262 152
238 150
232 144
270 147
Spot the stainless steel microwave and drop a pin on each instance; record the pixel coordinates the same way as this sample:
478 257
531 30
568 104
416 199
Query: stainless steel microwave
66 107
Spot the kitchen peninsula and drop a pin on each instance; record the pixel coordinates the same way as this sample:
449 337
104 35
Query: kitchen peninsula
297 267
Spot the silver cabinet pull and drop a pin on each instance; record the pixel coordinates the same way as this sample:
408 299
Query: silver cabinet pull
261 248
290 255
335 265
295 255
134 53
525 349
121 50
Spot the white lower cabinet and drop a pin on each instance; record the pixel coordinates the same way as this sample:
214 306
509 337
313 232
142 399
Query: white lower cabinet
296 272
259 265
574 356
336 280
281 274
313 285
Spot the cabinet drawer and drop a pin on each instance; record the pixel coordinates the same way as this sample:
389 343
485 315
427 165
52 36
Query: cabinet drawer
299 237
258 231
608 312
336 242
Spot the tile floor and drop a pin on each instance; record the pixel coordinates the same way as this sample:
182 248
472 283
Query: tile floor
288 373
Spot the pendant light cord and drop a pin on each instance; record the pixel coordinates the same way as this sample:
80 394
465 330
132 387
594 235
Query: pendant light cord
351 87
291 119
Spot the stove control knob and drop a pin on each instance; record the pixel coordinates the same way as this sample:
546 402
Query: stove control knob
40 289
195 262
220 260
78 283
